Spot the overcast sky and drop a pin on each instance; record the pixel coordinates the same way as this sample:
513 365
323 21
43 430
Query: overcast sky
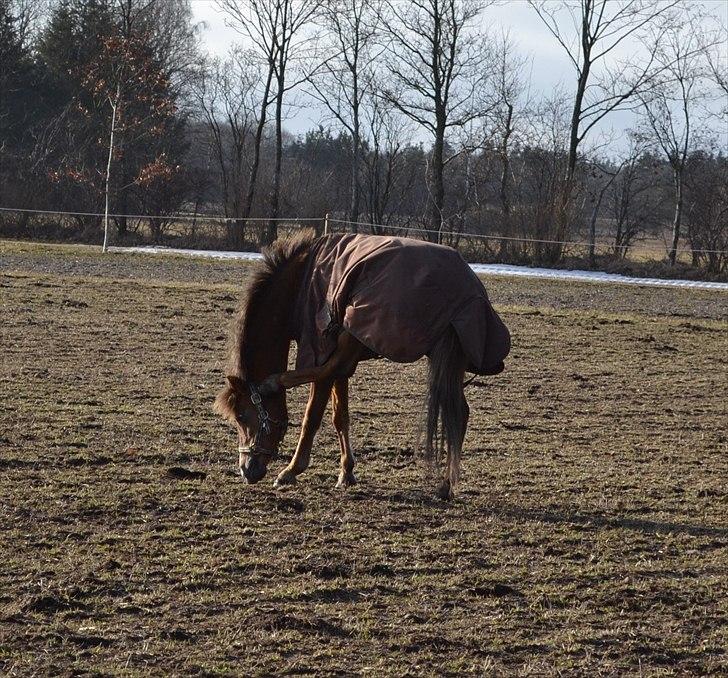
550 65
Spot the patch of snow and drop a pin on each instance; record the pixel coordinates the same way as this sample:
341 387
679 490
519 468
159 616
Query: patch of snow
204 254
592 276
483 269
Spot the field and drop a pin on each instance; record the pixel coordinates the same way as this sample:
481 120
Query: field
589 536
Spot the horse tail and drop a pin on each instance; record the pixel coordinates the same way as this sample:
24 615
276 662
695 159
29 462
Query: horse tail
447 409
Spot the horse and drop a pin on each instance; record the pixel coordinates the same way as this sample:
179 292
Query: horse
343 299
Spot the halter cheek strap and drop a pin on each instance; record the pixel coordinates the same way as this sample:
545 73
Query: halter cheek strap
265 422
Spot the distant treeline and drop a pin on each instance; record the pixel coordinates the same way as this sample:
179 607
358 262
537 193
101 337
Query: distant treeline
110 106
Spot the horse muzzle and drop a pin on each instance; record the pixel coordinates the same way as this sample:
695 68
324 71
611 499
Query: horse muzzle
253 467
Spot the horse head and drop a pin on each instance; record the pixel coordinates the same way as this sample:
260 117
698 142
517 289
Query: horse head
259 414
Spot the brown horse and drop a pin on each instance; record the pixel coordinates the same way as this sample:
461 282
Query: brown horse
344 299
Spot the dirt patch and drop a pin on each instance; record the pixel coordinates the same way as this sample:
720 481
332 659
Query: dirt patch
588 537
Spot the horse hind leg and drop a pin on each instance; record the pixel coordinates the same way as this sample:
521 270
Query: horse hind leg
340 405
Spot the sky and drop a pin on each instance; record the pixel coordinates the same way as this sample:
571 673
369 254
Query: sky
549 66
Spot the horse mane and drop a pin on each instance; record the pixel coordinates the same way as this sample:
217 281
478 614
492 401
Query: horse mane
264 275
275 258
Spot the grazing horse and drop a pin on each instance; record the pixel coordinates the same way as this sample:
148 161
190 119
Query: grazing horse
344 299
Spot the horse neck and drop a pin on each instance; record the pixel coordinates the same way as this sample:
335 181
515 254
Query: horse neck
272 323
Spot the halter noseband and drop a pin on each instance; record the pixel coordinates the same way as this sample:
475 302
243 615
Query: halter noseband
265 421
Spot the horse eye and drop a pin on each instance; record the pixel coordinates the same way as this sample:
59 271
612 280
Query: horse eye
240 417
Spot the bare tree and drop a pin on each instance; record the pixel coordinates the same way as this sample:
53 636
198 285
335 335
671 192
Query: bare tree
707 214
435 74
591 32
228 94
633 201
713 42
719 70
507 108
173 39
387 177
602 178
343 78
29 15
277 29
541 170
669 109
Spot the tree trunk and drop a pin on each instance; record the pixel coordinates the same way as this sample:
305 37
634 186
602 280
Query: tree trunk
272 230
156 224
618 249
677 176
239 226
593 236
107 187
593 223
504 184
354 202
355 155
253 177
564 203
437 185
122 207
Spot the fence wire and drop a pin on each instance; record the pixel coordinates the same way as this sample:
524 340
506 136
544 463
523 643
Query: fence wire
164 217
481 236
327 221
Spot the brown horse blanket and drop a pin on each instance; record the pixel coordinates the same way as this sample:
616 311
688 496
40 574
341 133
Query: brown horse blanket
397 296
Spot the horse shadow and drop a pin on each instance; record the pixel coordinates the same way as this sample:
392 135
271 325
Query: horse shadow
563 516
602 520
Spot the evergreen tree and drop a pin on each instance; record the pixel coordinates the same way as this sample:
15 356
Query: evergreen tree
20 113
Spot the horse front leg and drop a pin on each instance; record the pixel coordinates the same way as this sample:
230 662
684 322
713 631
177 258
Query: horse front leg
340 404
342 363
317 399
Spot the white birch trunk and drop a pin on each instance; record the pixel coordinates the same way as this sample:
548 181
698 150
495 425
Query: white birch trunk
107 188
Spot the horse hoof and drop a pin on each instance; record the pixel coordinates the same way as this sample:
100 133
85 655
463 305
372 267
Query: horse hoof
346 480
445 492
285 479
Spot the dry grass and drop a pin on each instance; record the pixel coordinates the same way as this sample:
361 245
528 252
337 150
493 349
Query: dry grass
589 536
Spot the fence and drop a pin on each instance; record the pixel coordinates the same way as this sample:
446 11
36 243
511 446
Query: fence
179 230
205 231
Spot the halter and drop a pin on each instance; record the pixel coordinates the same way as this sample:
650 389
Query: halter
265 421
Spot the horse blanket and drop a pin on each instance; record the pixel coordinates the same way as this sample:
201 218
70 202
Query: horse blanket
397 296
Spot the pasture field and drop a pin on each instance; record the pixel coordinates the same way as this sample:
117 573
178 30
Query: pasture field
589 536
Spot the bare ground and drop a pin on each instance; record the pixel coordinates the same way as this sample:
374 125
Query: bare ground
589 536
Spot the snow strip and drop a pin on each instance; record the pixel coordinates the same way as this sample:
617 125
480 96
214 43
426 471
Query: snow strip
483 269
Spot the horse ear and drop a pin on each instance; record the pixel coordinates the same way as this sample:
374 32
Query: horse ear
236 383
224 404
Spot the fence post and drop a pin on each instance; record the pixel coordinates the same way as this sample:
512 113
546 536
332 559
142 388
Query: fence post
326 224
